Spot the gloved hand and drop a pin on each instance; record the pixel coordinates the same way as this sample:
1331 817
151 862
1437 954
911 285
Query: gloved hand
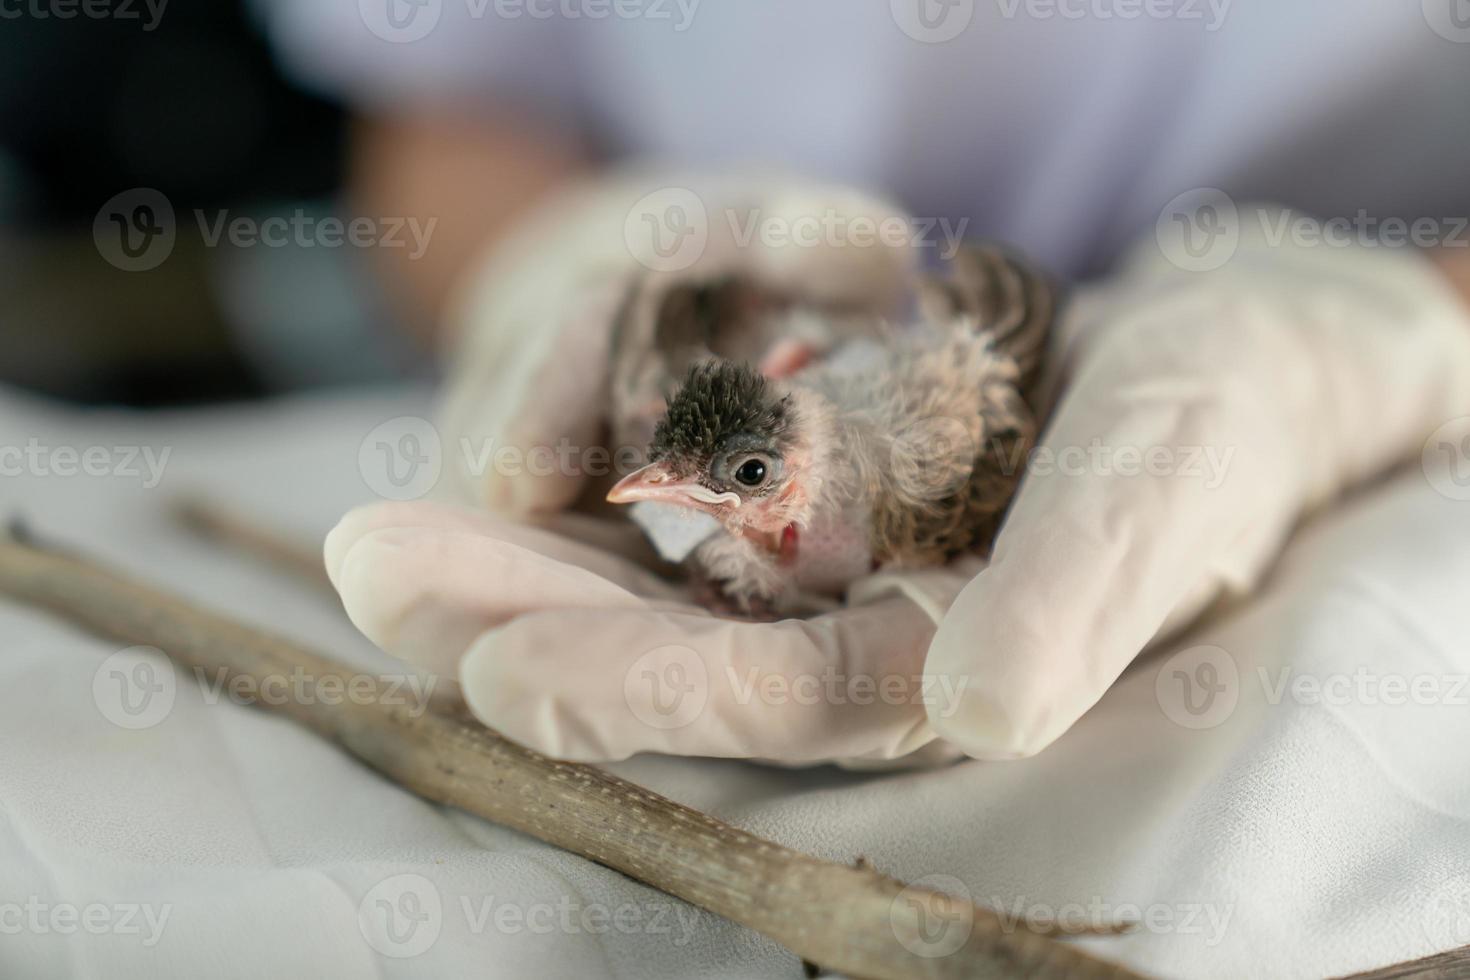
1202 415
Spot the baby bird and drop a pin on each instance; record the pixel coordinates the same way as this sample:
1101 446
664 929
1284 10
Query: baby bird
895 454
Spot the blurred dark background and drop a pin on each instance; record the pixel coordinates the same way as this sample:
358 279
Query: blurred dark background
191 105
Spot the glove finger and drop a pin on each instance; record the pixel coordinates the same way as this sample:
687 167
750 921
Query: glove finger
526 418
603 684
586 549
1102 547
424 594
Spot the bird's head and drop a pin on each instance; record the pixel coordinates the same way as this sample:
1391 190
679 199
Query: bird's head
730 444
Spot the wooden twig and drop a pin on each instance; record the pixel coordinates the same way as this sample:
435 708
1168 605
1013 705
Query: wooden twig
210 520
1452 964
852 919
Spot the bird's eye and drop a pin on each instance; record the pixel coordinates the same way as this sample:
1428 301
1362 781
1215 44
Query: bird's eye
751 473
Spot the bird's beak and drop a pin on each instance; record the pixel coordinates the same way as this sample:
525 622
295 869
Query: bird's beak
657 482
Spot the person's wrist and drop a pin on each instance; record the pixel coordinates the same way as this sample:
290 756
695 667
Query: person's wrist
1454 263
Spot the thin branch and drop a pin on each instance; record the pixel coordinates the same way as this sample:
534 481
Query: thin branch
1453 964
852 919
217 523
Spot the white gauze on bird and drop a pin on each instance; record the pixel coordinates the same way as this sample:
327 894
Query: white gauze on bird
793 448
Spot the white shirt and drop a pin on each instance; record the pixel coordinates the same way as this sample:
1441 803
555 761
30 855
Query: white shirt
1064 126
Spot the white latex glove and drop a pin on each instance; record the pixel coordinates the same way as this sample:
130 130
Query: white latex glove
580 654
1302 370
530 368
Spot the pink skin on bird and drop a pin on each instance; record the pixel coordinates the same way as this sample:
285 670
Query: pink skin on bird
765 521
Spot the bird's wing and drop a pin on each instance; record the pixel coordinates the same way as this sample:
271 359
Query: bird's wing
1000 294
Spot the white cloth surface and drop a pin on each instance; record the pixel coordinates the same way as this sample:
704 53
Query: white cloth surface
1292 839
